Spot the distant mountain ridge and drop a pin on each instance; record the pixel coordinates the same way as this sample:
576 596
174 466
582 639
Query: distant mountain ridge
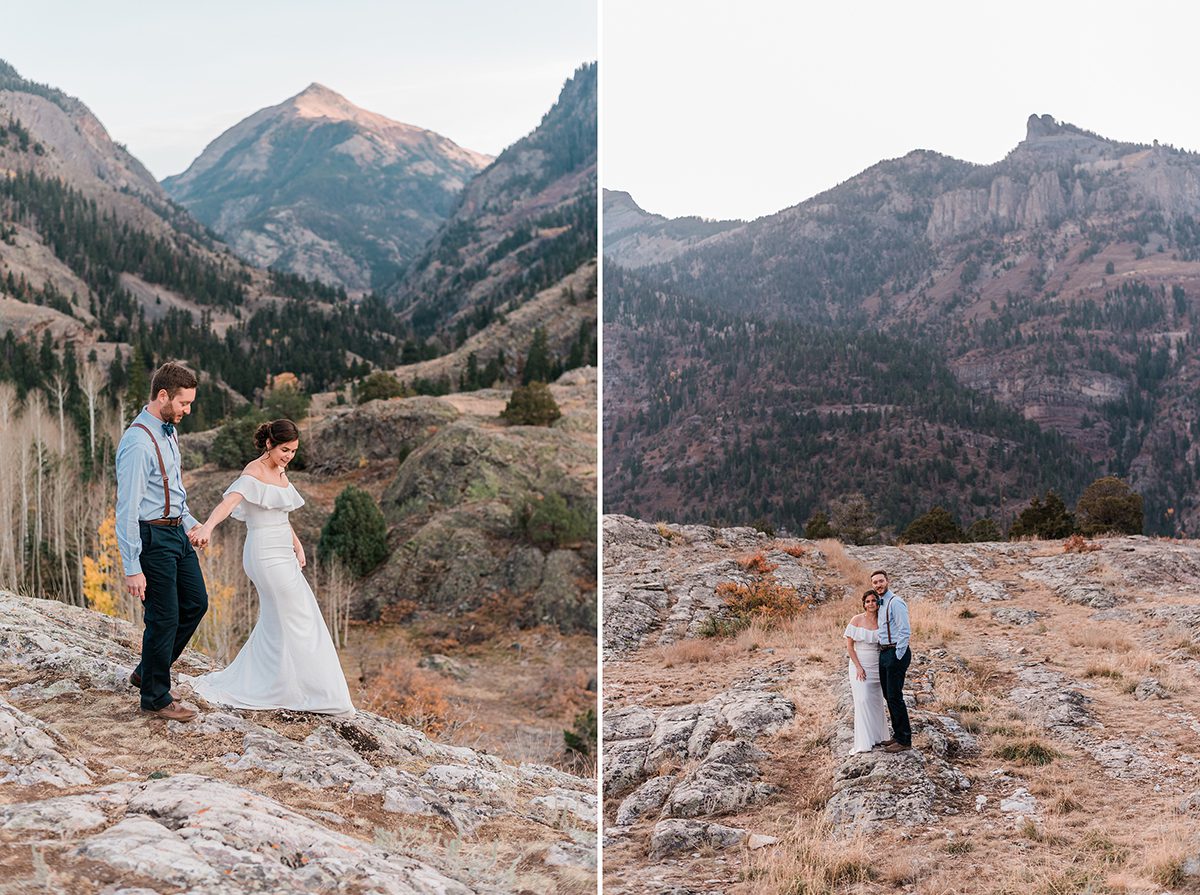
1061 281
322 188
522 228
522 224
94 254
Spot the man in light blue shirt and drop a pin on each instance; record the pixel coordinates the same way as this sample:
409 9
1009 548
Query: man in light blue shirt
161 567
894 659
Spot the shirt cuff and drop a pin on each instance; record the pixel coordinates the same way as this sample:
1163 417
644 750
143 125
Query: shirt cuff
132 568
189 522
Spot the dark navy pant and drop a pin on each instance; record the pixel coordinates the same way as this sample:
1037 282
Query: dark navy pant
175 602
891 679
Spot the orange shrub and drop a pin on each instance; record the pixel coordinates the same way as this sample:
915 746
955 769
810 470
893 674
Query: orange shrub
1079 544
409 694
757 563
764 601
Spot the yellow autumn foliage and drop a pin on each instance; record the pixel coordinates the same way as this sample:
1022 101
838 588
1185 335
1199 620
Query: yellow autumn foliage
102 581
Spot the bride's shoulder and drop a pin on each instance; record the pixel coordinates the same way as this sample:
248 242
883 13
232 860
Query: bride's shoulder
857 621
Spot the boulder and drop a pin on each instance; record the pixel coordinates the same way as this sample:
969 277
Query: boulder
348 437
673 837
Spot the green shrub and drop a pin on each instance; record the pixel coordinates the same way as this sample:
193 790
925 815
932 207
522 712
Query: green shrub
379 386
984 530
818 526
582 737
286 402
935 527
356 533
552 522
1047 519
1109 505
234 446
531 405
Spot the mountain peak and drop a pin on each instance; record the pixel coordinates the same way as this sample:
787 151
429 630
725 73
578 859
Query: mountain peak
318 101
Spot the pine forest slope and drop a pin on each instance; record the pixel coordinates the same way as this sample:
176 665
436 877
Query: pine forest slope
525 225
1061 282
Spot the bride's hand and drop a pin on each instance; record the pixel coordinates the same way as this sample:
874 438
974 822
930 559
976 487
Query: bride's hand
862 673
300 558
200 535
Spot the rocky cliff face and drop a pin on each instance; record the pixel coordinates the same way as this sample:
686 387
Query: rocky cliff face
94 797
633 237
321 188
1049 692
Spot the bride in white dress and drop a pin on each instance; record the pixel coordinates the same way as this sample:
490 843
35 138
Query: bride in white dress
862 643
289 660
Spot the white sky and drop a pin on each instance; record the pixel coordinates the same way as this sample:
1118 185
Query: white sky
166 78
738 109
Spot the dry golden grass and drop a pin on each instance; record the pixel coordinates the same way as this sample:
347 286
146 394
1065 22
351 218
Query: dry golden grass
692 652
818 628
1079 544
557 691
807 861
1096 670
1100 637
666 531
934 624
842 566
1163 860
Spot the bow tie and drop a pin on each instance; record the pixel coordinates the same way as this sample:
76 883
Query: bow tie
168 429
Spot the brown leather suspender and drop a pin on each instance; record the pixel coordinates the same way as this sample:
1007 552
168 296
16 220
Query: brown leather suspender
162 467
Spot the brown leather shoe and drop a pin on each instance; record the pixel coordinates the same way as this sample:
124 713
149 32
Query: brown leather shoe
172 711
897 747
883 743
135 679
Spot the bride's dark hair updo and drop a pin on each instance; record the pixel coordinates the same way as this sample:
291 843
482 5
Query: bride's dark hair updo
869 595
275 432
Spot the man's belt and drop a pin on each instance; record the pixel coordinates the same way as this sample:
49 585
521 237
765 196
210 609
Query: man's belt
173 523
887 646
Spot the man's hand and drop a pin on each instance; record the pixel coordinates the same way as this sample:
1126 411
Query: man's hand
136 585
199 537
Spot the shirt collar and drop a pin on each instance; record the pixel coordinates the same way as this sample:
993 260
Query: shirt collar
149 420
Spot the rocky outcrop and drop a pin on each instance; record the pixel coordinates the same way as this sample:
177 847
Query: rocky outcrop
660 580
907 789
1027 701
459 505
643 748
250 801
349 437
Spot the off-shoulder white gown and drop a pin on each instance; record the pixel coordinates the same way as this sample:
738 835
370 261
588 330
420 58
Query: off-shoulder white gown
289 660
869 705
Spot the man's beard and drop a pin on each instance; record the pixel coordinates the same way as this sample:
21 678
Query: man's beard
170 415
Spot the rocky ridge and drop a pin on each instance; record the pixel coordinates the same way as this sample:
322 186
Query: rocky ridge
526 224
1024 727
95 797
